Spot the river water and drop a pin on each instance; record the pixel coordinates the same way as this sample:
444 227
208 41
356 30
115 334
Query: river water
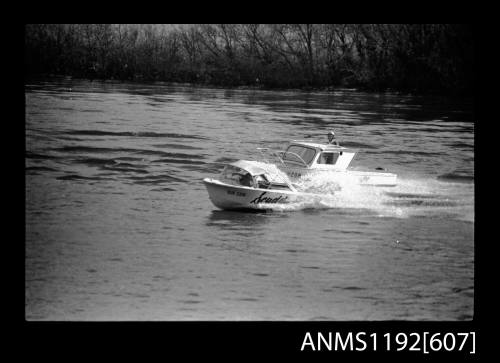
119 225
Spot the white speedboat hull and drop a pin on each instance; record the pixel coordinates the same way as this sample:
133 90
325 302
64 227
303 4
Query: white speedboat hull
232 197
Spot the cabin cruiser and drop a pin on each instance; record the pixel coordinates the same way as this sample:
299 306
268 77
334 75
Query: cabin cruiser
245 185
303 158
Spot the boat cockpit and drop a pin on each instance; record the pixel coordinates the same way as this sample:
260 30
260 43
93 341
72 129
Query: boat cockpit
256 178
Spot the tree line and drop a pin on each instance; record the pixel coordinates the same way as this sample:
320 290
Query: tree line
405 57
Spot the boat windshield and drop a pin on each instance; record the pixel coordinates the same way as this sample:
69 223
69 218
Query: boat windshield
295 153
237 176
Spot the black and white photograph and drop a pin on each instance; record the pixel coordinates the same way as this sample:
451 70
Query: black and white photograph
249 172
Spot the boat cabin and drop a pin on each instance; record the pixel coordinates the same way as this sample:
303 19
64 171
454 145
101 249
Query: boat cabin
246 173
303 154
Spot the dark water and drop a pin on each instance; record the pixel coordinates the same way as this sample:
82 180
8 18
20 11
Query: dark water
119 224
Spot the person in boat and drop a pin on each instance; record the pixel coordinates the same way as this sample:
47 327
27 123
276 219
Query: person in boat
331 138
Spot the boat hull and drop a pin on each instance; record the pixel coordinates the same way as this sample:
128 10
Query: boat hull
232 197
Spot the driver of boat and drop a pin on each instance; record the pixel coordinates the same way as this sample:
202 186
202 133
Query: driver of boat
331 138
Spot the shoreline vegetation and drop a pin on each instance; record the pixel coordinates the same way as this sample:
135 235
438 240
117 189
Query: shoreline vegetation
407 58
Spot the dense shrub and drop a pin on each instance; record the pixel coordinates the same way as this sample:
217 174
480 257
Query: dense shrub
407 57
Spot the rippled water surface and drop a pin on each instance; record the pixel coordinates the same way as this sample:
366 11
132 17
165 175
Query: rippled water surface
119 225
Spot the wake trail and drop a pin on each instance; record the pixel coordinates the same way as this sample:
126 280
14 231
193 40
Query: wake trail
410 197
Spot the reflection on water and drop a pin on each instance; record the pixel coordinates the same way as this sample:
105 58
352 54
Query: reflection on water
243 224
120 227
237 218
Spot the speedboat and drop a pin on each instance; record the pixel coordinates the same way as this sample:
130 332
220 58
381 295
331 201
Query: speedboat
302 158
245 185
